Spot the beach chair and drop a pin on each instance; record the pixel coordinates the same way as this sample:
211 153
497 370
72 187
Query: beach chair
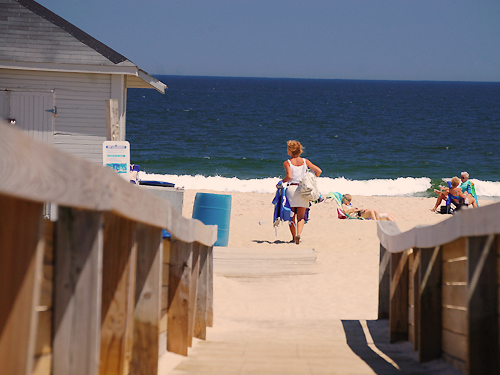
337 197
450 207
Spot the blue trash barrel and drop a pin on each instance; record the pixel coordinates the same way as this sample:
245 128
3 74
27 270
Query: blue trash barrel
214 209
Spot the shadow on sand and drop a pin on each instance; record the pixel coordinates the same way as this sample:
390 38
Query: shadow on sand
370 341
272 242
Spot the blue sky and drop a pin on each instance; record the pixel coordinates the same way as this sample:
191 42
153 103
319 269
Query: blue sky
444 40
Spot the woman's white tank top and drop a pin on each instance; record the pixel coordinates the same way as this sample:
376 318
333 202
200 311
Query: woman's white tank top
297 172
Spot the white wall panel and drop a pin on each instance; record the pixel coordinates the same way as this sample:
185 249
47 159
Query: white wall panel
80 125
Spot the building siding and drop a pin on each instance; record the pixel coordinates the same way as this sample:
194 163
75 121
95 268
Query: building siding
80 125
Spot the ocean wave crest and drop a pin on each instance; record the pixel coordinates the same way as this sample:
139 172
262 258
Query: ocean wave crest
403 186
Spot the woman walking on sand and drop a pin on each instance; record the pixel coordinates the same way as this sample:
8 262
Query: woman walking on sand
295 169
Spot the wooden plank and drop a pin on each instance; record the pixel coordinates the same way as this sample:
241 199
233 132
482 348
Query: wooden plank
398 308
193 291
455 345
430 290
118 281
145 351
210 292
455 295
164 298
456 363
77 291
44 330
411 275
416 297
384 284
21 257
455 320
482 305
43 365
44 333
178 297
455 271
112 125
411 299
48 268
455 249
165 276
498 292
200 323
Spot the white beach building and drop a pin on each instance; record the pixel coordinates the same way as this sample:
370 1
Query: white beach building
55 80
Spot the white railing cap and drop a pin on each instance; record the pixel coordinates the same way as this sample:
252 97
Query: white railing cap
479 221
38 172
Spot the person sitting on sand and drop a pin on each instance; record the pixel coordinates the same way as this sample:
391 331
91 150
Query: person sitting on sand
456 193
365 213
465 187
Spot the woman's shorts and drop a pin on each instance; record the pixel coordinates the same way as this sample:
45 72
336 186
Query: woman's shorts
295 198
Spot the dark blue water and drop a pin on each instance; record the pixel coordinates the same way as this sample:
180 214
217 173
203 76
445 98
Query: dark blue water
361 130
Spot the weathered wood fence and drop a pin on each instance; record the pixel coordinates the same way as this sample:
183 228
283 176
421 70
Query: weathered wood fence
439 288
98 291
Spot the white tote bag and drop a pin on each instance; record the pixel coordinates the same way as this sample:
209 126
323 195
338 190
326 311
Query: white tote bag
308 186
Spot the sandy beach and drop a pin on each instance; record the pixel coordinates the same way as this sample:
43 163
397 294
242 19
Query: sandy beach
342 287
347 256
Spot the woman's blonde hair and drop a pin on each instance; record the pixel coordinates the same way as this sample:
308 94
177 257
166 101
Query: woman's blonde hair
346 198
455 181
295 147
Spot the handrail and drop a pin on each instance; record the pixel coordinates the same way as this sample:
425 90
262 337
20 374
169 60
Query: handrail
438 286
465 223
38 172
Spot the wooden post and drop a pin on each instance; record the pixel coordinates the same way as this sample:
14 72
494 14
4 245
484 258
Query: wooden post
384 284
398 308
118 280
193 291
414 278
164 295
181 254
112 120
77 291
21 258
430 304
210 297
482 299
147 300
200 323
43 350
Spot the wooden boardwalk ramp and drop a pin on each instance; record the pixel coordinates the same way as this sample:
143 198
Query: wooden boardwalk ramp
273 316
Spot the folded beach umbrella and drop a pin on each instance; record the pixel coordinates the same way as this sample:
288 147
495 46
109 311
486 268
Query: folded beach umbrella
282 210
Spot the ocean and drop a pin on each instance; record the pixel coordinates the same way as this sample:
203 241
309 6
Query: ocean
390 138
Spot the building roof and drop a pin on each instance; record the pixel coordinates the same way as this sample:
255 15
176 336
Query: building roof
33 37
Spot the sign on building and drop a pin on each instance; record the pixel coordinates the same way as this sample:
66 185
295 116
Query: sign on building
116 155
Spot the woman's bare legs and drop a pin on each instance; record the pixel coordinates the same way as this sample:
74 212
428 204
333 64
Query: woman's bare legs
471 199
387 216
442 196
370 214
293 225
301 213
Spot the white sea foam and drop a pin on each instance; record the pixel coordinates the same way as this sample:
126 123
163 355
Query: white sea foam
487 188
400 186
403 186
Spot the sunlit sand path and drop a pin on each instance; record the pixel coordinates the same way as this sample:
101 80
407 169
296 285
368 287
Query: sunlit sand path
282 309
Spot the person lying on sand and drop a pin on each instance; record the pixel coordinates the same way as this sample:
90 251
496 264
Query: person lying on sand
365 213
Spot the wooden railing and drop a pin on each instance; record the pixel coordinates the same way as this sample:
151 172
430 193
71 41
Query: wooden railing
439 288
95 291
